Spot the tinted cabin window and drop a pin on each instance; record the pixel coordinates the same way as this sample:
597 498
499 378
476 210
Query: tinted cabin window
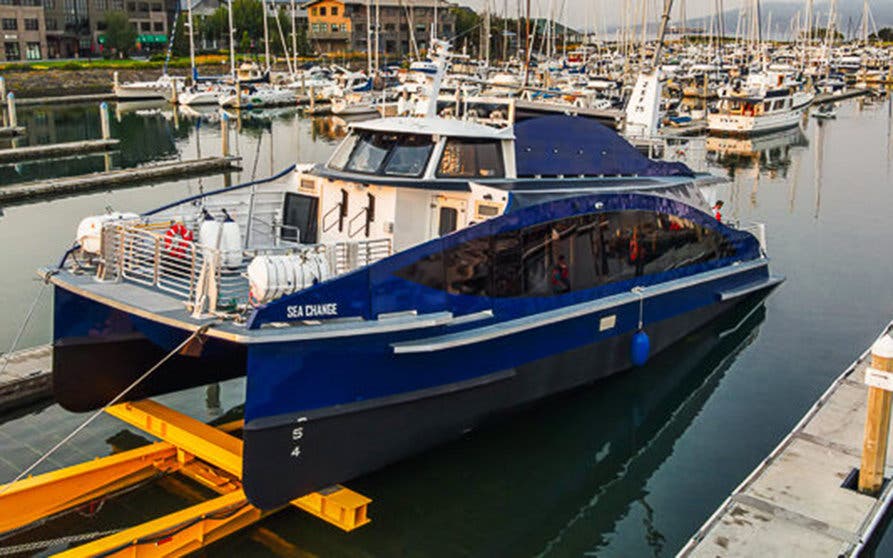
467 158
299 217
597 249
384 153
449 218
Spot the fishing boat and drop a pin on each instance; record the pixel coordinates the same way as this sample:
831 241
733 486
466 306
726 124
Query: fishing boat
767 101
432 274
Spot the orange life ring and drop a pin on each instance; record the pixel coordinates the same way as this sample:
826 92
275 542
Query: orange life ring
177 239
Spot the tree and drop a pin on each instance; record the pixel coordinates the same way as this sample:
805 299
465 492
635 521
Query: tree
120 34
885 35
181 39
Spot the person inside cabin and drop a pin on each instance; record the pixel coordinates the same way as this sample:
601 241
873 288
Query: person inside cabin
560 279
717 210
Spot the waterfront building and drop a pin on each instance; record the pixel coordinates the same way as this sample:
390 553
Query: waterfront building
23 30
342 25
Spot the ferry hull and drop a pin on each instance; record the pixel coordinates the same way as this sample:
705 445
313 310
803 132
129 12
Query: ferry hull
99 351
293 454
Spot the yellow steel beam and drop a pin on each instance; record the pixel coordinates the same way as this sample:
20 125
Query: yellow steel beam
45 495
339 506
179 533
190 435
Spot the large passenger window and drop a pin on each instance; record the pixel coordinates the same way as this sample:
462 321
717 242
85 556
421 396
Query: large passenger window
570 255
469 158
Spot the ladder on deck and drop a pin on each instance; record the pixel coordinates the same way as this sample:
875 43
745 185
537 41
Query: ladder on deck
209 455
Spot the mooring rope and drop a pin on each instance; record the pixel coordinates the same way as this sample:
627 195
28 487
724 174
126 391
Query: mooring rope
33 547
114 401
18 336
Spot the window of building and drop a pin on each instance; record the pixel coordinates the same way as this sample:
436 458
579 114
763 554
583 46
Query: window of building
158 26
32 51
344 28
157 7
420 28
322 10
49 4
32 24
144 7
334 28
12 51
314 12
389 27
360 27
597 249
144 26
52 24
334 10
468 158
10 24
446 29
100 26
131 6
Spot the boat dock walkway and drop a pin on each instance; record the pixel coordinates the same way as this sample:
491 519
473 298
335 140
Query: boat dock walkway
822 98
65 99
802 499
26 377
86 182
67 149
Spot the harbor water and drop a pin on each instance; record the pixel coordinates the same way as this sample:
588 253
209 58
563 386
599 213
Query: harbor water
629 466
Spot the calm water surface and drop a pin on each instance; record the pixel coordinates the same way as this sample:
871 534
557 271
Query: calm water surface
631 466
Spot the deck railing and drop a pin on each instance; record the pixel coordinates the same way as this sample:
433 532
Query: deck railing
144 254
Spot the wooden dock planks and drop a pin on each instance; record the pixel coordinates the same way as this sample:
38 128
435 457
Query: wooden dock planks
793 503
32 152
27 377
18 193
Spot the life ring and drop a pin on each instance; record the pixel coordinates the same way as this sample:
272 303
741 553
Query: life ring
177 240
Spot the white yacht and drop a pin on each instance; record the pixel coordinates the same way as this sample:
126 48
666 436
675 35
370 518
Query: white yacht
767 101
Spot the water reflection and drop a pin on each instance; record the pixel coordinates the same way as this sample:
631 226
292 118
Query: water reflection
770 153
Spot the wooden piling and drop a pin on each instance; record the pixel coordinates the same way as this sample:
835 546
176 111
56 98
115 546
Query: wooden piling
11 109
3 122
104 120
877 420
224 134
312 101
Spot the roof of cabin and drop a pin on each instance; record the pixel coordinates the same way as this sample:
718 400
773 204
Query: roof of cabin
441 126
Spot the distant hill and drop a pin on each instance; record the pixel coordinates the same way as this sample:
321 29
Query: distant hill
849 16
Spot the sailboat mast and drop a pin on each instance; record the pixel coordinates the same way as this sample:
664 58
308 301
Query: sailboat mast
369 37
232 44
191 40
294 36
263 5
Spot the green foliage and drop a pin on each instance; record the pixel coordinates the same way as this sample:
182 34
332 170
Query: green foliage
181 36
819 34
885 34
120 34
245 42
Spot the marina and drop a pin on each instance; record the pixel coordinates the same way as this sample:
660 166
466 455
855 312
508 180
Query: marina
567 302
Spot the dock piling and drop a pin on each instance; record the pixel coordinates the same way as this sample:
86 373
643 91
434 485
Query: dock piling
224 134
115 82
104 120
2 96
877 420
11 108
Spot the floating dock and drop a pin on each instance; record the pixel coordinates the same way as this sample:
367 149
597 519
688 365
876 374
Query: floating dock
802 499
822 98
49 151
26 377
11 131
18 193
65 99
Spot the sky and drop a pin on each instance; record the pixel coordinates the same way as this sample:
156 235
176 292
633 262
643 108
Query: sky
600 13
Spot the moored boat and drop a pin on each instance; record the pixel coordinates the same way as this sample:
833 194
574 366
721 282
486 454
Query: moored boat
432 274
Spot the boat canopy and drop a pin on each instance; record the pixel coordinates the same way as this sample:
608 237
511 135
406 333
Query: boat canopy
435 126
562 145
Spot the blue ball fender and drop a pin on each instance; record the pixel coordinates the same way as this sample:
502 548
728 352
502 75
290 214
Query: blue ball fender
640 348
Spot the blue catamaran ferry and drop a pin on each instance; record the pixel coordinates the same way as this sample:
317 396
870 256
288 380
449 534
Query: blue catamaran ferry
432 274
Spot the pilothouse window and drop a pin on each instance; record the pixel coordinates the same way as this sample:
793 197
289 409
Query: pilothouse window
384 153
467 158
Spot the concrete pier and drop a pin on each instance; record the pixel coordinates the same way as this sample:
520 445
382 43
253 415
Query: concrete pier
802 500
27 377
18 193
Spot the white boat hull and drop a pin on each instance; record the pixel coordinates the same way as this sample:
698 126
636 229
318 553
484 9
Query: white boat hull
741 124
